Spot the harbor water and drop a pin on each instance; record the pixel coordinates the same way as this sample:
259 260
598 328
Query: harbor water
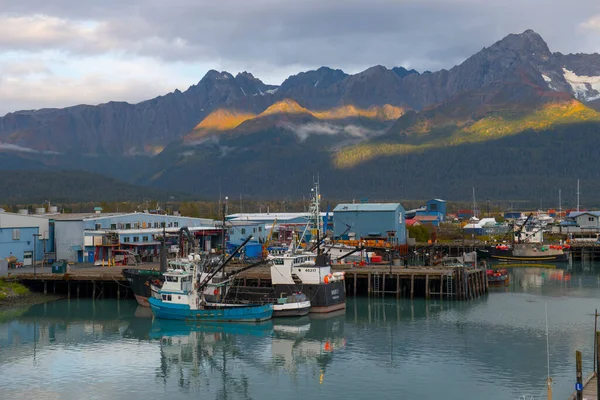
491 348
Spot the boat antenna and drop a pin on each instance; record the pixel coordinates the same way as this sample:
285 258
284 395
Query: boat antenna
548 380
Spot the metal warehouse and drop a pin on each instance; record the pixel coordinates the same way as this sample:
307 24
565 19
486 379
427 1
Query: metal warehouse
370 221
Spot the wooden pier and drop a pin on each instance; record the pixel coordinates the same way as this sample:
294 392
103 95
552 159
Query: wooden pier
375 280
590 388
426 282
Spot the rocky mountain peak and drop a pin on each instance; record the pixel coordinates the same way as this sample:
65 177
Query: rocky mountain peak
321 78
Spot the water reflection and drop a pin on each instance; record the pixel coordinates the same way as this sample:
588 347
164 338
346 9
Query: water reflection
307 342
67 350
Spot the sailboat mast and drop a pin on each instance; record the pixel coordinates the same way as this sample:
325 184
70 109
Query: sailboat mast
474 215
577 195
559 205
223 244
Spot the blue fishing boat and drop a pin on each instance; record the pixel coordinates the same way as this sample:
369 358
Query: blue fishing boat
214 312
195 295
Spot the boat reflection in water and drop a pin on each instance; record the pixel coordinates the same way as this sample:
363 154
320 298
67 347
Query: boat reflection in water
228 359
309 342
205 356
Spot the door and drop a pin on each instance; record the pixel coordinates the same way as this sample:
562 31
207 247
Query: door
27 258
90 257
80 256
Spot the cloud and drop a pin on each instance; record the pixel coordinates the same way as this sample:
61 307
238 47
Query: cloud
592 24
303 131
14 147
47 81
270 38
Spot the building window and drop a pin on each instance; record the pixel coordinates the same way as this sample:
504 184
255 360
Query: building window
144 238
253 230
260 228
98 227
433 207
113 227
400 218
127 226
243 231
136 238
16 234
176 224
126 239
170 224
591 219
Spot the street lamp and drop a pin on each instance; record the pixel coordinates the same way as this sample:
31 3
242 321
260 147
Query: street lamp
35 239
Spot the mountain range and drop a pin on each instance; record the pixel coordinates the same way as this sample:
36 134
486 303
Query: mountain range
514 120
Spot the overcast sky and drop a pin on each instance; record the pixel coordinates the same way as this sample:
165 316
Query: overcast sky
55 53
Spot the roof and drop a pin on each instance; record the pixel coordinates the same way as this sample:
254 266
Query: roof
367 207
411 222
438 200
425 218
579 213
150 230
80 216
270 216
241 222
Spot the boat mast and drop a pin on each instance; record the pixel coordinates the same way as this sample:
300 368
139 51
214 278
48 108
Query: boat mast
223 244
577 195
559 206
474 215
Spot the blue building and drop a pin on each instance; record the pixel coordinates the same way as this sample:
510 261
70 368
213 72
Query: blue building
370 221
433 213
238 231
24 237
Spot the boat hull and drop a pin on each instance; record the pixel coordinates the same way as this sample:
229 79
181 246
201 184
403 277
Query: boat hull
221 313
512 257
323 297
139 281
291 309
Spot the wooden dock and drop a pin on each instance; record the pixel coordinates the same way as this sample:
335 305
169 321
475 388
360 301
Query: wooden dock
375 280
428 282
590 388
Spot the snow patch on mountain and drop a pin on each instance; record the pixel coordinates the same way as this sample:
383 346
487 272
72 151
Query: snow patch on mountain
586 88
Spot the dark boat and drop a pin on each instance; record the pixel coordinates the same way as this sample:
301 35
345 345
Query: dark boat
498 277
521 250
140 281
524 253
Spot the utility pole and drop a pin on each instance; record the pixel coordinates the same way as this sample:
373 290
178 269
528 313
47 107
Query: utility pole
35 239
163 249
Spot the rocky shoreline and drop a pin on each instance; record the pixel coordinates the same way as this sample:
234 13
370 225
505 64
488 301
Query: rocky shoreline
14 294
27 299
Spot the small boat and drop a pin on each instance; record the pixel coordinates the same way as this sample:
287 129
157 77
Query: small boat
498 277
194 295
295 305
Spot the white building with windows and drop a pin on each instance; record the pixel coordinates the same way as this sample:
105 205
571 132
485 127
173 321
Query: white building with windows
586 220
92 237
